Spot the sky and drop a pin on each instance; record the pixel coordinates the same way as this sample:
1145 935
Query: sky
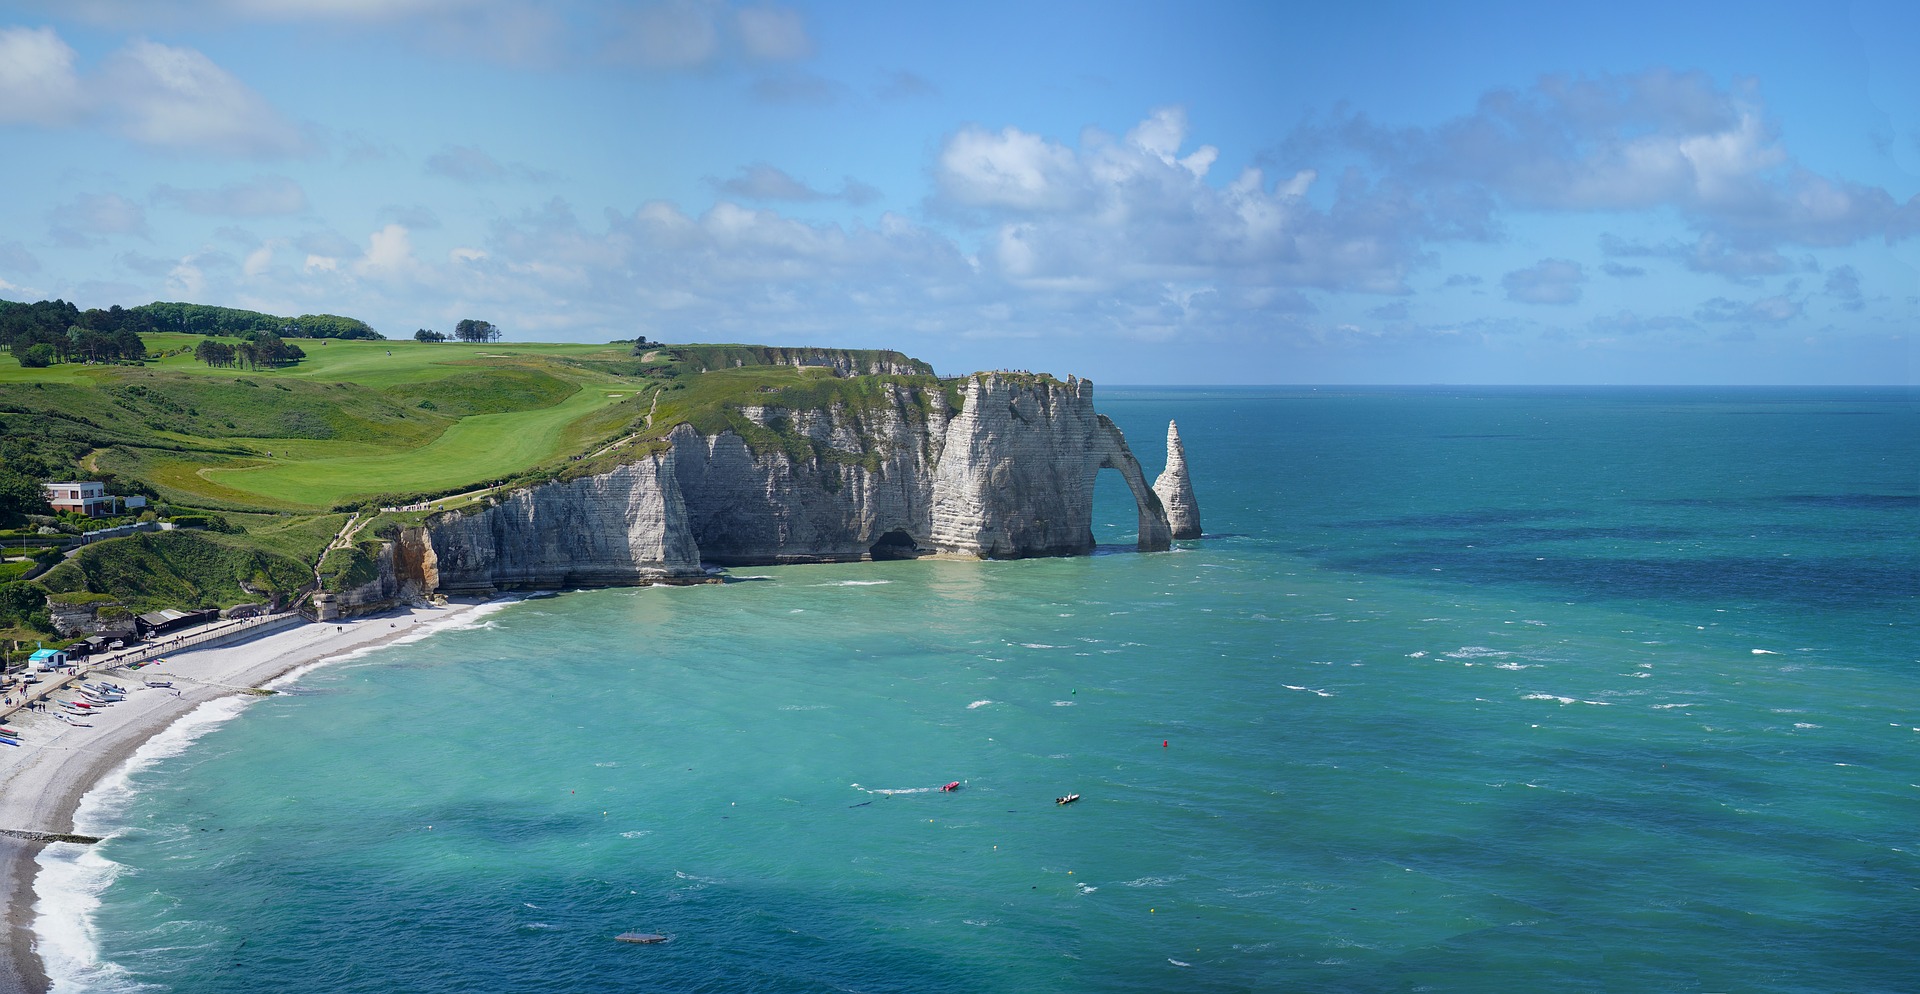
1138 193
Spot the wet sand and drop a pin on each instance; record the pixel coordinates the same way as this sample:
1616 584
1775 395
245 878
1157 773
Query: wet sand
43 779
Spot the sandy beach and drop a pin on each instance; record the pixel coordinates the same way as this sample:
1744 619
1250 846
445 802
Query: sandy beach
43 779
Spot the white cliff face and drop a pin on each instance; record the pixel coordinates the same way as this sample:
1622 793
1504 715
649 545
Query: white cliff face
1016 474
863 480
1175 489
624 527
1009 475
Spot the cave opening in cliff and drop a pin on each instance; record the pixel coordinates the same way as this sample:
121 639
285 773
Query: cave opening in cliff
896 544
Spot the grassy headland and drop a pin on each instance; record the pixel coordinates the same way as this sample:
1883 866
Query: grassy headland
276 459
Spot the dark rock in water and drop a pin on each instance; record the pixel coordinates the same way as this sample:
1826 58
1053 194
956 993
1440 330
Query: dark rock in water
85 840
640 938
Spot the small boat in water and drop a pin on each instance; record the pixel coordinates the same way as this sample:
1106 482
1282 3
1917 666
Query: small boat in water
641 938
1067 799
950 788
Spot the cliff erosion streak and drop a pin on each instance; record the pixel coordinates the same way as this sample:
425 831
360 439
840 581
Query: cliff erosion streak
1010 475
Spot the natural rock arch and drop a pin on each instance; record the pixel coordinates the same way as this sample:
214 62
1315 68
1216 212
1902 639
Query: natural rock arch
1155 534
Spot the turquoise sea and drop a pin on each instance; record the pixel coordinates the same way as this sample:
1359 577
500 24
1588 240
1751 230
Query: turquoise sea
1465 690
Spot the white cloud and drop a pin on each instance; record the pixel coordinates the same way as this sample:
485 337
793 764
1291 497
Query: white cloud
14 257
1549 281
1125 213
177 98
258 261
1656 139
1766 310
37 81
773 34
1010 168
264 196
357 10
1843 283
83 220
153 94
679 34
389 254
472 165
764 182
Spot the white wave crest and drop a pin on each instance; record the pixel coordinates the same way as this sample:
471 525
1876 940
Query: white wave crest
978 704
72 877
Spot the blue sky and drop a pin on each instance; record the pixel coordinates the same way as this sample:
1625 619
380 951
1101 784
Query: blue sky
1138 193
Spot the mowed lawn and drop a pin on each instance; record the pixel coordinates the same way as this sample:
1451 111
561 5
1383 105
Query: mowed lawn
471 451
543 410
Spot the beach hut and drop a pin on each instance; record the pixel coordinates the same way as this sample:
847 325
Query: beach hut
47 659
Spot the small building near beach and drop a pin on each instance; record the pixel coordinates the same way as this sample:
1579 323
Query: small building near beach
171 619
47 659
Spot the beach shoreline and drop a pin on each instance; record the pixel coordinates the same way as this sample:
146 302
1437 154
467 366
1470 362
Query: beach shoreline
43 780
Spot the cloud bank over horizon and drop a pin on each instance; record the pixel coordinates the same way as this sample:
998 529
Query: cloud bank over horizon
794 174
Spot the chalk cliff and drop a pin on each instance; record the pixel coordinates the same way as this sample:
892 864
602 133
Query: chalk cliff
895 473
1176 490
1015 477
628 526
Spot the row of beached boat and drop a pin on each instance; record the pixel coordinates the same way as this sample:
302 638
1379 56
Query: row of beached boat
89 698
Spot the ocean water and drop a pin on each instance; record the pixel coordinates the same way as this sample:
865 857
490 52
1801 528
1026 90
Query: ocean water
1465 690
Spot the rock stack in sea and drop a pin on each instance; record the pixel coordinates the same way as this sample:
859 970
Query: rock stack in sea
1175 489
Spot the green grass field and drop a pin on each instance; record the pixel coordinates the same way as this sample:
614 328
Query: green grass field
264 456
352 420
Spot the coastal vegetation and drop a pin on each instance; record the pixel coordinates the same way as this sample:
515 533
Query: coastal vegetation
262 451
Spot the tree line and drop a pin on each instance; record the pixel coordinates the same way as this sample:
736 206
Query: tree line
51 331
468 330
262 350
233 322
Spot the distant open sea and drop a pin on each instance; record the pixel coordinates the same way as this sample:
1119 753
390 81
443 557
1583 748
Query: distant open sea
1465 690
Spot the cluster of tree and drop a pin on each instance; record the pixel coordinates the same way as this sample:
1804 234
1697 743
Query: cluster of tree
20 495
429 335
469 330
233 322
260 350
51 331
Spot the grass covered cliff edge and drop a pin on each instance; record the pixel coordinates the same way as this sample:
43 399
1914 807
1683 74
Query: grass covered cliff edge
284 477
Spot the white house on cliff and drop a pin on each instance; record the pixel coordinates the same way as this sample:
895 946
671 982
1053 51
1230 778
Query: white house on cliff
88 498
